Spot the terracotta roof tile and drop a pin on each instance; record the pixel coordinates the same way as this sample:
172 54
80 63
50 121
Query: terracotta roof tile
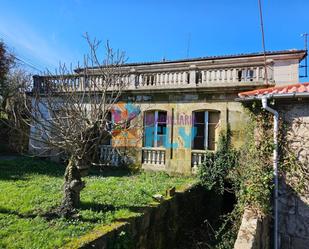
295 88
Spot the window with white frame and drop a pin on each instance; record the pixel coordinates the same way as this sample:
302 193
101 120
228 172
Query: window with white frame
155 128
204 124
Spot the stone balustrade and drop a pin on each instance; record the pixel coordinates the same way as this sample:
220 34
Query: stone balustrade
110 156
193 77
153 156
197 158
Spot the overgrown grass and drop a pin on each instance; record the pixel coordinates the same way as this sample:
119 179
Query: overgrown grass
30 188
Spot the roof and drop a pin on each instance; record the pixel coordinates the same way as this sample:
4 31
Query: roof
281 52
278 91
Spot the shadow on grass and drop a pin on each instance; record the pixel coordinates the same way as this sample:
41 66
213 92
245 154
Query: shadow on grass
13 212
18 168
110 171
95 207
98 207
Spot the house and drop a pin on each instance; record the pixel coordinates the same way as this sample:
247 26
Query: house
291 102
184 104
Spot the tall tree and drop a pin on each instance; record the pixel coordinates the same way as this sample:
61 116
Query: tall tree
6 63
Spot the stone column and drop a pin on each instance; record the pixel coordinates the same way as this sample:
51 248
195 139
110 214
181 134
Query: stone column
192 72
132 84
234 74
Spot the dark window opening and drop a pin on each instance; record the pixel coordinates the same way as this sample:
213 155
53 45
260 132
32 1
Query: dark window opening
204 130
239 75
198 77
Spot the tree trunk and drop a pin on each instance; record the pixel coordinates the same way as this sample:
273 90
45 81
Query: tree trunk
72 187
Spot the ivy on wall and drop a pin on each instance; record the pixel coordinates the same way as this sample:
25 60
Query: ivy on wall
248 170
294 171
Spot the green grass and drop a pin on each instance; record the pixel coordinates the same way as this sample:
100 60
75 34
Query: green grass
29 188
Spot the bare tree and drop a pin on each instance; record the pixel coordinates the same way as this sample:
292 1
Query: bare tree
70 114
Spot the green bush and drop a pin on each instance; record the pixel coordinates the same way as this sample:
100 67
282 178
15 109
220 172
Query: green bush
212 173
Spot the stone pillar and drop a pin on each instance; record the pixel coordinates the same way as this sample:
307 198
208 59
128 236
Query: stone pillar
234 72
184 78
132 80
192 72
82 83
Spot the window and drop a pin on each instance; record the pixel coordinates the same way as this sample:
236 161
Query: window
155 128
204 129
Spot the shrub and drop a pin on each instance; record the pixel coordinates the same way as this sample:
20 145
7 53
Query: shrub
212 173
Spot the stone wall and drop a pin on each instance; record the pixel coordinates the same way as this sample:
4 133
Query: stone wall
253 232
178 159
160 226
293 204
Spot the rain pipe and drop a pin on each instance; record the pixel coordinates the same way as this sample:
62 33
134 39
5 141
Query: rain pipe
275 167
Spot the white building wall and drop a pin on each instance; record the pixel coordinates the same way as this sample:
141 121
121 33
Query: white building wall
36 147
286 72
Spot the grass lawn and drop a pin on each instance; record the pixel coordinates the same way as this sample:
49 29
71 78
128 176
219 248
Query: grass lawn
29 188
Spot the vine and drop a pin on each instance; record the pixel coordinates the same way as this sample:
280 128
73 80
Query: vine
248 170
293 170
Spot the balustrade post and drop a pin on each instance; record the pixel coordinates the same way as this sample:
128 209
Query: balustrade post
185 78
199 158
149 156
81 83
192 72
203 76
234 72
162 79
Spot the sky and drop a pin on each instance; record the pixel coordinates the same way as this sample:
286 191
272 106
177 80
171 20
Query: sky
46 32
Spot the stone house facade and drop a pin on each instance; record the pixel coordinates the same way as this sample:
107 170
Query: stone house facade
190 101
292 104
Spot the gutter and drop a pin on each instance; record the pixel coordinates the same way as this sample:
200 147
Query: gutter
275 96
275 167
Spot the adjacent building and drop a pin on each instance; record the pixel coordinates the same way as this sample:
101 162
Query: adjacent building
291 102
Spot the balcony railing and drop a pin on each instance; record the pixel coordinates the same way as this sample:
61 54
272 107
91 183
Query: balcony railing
153 156
197 157
110 156
157 80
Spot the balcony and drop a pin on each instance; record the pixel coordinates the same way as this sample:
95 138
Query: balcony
172 79
110 156
198 157
153 157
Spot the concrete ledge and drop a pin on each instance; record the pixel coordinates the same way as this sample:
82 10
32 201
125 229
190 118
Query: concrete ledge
253 232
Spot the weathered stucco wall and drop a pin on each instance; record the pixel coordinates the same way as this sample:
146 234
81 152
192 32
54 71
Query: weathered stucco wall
286 72
293 205
179 105
178 159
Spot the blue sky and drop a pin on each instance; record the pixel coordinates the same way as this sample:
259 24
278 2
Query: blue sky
44 32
